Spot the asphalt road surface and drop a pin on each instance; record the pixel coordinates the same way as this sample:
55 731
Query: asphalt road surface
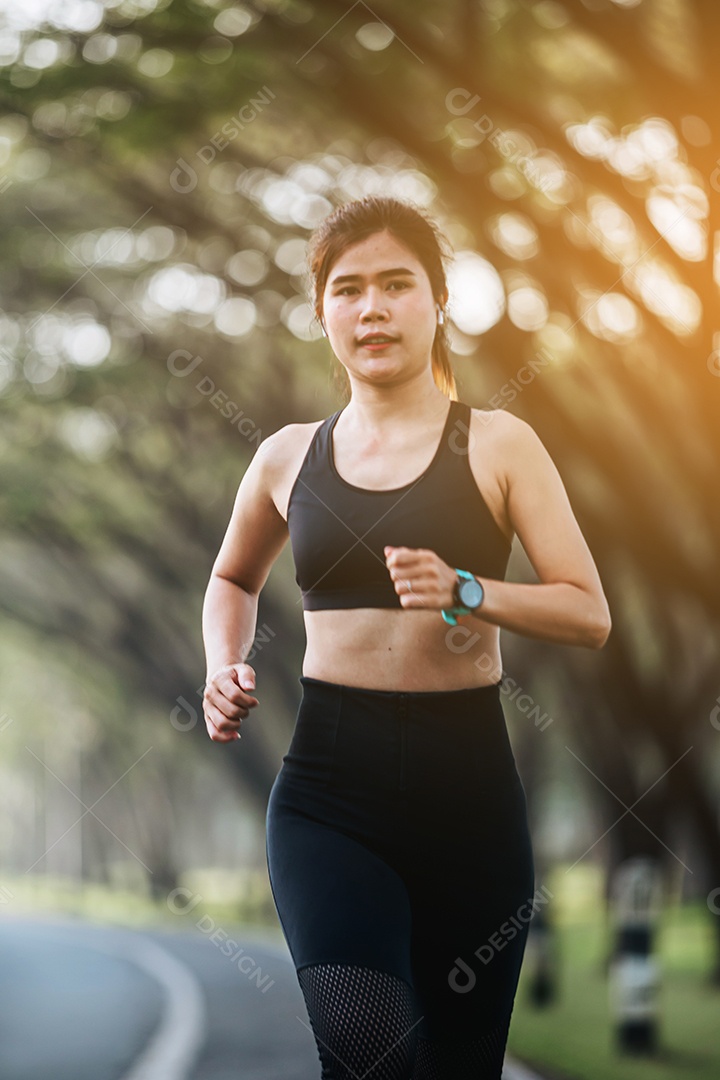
80 1001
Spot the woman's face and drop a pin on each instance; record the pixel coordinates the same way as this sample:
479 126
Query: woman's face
378 287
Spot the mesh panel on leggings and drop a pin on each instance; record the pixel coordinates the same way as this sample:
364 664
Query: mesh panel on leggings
363 1020
476 1059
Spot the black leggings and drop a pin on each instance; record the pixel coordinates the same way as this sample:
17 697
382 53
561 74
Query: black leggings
402 870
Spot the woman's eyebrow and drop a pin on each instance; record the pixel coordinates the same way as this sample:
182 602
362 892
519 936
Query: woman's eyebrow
381 274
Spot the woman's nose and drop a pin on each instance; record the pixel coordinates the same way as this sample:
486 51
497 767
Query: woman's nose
373 305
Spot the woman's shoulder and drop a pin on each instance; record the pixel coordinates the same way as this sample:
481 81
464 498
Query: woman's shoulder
501 422
280 449
504 443
284 452
503 416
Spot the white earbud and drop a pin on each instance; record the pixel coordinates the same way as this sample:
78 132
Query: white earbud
441 315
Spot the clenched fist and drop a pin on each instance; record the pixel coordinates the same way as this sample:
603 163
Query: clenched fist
421 578
226 702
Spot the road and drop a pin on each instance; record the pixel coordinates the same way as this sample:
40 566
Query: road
83 1001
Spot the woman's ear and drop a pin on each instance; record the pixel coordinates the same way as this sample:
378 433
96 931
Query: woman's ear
440 307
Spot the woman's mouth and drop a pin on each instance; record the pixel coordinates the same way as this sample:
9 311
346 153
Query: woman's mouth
376 342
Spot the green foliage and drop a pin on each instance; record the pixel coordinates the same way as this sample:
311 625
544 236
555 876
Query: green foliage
160 172
575 1035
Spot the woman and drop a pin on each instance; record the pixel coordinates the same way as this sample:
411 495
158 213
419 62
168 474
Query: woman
397 837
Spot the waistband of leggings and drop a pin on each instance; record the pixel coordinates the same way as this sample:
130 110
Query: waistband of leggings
458 694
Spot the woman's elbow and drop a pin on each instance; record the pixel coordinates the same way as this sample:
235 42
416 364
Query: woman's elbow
592 619
600 628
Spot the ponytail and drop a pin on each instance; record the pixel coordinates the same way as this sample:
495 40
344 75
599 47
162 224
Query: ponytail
443 373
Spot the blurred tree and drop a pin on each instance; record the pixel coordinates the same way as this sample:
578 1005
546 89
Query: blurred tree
164 164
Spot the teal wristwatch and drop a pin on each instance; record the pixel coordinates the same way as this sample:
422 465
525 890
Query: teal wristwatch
468 596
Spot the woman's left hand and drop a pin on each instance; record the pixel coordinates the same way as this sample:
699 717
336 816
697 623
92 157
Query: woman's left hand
421 578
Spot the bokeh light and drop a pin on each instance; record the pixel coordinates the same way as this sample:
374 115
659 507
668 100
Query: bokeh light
476 295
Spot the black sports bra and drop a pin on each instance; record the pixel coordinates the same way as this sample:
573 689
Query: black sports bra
338 531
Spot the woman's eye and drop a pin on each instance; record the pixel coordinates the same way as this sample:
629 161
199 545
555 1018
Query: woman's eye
345 290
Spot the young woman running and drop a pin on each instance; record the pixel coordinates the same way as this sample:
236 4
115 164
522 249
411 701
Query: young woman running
398 844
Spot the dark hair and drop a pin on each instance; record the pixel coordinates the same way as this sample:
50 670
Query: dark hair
408 223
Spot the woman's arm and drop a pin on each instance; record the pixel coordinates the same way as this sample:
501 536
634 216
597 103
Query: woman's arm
568 605
254 538
229 618
557 611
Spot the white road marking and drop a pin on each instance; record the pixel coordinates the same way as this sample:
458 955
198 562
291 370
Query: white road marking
174 1048
172 1051
513 1070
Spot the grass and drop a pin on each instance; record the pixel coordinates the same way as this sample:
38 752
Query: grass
573 1037
237 899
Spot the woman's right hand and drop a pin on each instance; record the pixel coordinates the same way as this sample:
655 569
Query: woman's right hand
226 702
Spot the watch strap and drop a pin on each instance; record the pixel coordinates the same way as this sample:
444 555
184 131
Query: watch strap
457 611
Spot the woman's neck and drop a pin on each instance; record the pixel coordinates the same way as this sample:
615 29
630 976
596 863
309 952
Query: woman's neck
394 408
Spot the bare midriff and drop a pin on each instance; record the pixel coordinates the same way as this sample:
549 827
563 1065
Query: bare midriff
400 649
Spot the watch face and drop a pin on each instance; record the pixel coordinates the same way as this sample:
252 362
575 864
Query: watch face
471 593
